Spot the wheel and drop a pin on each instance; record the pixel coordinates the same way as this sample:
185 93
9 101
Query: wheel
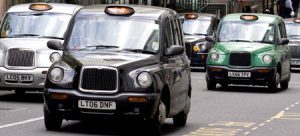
273 85
211 85
19 92
154 124
284 84
180 119
52 121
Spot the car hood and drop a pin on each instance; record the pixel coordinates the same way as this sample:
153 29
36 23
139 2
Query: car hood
193 38
254 48
39 45
117 60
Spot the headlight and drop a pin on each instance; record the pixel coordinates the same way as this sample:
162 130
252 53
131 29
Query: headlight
55 56
267 59
196 48
203 47
144 79
214 56
56 74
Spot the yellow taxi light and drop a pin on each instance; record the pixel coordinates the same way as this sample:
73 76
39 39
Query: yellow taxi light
119 10
40 7
191 16
297 20
249 17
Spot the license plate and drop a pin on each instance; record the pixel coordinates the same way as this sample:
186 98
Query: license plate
239 74
97 105
18 77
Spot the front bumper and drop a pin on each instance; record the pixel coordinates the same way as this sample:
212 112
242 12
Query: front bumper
69 109
39 76
259 75
198 60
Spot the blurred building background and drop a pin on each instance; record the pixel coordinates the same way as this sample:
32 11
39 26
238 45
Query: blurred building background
219 7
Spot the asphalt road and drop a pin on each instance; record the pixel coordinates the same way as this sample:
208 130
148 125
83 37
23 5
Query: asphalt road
232 111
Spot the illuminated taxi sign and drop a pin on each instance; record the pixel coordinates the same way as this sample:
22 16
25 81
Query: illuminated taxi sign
191 16
249 17
297 20
119 11
40 7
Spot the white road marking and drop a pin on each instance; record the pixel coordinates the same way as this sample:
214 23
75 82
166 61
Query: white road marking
21 122
262 124
246 133
198 77
254 128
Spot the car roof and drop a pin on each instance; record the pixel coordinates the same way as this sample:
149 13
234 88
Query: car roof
149 12
267 18
56 8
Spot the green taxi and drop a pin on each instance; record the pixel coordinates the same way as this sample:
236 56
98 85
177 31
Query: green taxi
249 49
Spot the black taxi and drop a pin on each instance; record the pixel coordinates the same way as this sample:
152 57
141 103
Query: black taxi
120 61
196 26
292 30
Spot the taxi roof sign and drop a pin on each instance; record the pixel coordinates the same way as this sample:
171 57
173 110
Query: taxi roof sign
297 20
40 7
249 17
119 11
191 16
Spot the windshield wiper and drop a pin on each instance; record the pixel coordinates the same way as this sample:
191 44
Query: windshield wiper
98 46
238 41
21 35
139 51
52 37
269 42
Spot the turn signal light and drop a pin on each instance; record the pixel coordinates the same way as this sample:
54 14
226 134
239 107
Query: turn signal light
263 70
137 99
58 96
216 69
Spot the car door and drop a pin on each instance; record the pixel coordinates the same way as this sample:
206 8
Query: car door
284 51
173 66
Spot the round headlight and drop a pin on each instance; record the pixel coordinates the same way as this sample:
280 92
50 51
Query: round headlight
214 56
203 47
267 59
144 79
56 74
55 56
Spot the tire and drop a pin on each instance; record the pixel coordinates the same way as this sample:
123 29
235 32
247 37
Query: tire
52 121
180 119
284 84
19 92
211 85
273 85
154 125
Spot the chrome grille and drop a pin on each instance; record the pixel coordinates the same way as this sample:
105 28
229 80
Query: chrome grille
20 57
240 59
99 79
295 51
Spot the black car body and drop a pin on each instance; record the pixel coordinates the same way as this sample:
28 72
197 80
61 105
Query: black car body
110 70
293 34
195 27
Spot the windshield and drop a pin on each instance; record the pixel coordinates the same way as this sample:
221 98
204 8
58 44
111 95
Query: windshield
197 27
35 24
96 33
293 30
247 31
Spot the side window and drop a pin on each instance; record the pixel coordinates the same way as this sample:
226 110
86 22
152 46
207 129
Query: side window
175 32
169 35
283 32
180 33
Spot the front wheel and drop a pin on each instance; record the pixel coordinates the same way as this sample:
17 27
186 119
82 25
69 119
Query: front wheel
273 85
156 123
52 121
180 119
284 84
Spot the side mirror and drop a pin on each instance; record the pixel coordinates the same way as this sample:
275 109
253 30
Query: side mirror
284 41
54 45
174 50
210 39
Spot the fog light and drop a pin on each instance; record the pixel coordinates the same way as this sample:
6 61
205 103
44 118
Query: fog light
137 99
58 96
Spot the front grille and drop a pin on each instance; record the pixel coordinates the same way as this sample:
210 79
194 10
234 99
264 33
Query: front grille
240 59
295 51
99 79
20 57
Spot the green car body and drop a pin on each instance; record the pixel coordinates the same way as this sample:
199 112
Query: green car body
256 55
